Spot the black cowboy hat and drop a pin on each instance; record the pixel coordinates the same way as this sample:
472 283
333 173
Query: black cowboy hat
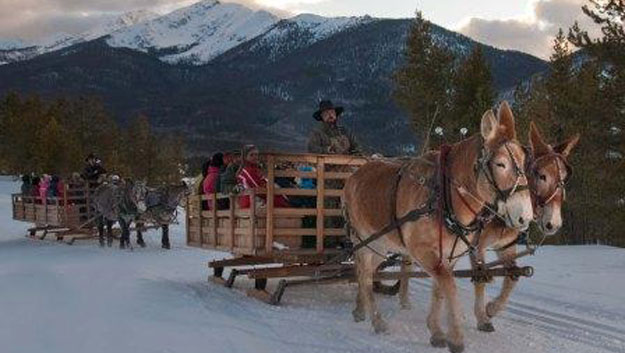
327 105
90 156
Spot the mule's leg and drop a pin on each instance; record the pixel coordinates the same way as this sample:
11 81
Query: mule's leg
404 300
124 240
165 237
109 233
100 223
140 240
479 308
371 263
455 336
437 338
359 312
499 303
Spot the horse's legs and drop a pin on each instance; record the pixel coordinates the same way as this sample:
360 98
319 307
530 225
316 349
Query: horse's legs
100 224
455 336
479 308
369 270
499 303
124 240
437 338
109 233
165 237
140 240
406 266
359 312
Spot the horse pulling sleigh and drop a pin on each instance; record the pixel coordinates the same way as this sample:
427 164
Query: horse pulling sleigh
480 193
84 210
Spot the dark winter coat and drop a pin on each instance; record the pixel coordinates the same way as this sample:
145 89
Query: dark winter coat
332 139
228 179
93 172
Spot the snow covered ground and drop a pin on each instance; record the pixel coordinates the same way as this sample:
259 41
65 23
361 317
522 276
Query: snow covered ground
66 299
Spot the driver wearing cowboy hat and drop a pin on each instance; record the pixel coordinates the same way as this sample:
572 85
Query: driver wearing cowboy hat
329 137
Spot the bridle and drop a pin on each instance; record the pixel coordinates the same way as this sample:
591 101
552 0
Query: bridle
560 185
484 165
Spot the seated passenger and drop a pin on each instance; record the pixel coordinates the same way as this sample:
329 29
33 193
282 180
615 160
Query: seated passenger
211 184
251 177
27 185
228 179
43 188
53 187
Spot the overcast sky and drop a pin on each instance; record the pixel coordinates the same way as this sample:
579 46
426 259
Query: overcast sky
527 25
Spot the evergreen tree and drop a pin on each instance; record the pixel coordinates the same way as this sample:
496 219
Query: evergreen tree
473 94
423 82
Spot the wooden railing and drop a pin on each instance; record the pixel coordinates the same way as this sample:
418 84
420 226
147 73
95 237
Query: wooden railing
67 211
314 213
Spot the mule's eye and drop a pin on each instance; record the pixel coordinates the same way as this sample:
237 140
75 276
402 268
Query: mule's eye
501 165
543 177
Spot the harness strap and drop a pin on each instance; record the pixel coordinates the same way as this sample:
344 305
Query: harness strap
408 217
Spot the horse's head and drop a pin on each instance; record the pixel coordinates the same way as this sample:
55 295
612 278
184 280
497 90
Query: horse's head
548 174
175 194
137 192
500 168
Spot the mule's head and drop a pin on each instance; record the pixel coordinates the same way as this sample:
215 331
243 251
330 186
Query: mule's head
137 192
548 174
501 176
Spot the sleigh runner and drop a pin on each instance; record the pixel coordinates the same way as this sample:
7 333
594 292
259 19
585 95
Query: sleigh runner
271 243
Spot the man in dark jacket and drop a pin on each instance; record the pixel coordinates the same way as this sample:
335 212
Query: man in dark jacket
330 137
93 170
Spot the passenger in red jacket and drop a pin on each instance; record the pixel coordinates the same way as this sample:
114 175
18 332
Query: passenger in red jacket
251 176
211 184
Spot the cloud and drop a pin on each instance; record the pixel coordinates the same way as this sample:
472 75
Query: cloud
533 33
36 19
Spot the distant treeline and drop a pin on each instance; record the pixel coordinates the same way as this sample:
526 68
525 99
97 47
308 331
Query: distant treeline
584 92
55 136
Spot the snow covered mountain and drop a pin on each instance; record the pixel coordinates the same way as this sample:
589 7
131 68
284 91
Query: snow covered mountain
17 50
195 34
301 31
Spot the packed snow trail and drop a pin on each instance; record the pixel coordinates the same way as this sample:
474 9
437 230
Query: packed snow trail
56 298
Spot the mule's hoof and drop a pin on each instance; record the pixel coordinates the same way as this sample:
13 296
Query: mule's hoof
359 315
455 348
438 341
380 326
166 246
122 245
141 244
101 244
486 327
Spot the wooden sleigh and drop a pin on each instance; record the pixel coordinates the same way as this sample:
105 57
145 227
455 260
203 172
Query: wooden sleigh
268 243
68 218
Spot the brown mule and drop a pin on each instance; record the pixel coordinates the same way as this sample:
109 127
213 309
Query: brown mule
547 174
480 170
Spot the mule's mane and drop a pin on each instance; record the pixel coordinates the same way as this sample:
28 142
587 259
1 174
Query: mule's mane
462 159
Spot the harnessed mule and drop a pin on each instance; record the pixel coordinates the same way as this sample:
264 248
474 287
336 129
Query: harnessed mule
548 171
161 208
118 203
390 209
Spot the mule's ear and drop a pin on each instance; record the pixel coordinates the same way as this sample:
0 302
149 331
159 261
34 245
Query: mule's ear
489 126
567 146
506 121
539 147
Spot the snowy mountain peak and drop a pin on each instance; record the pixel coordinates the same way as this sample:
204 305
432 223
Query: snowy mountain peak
197 33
